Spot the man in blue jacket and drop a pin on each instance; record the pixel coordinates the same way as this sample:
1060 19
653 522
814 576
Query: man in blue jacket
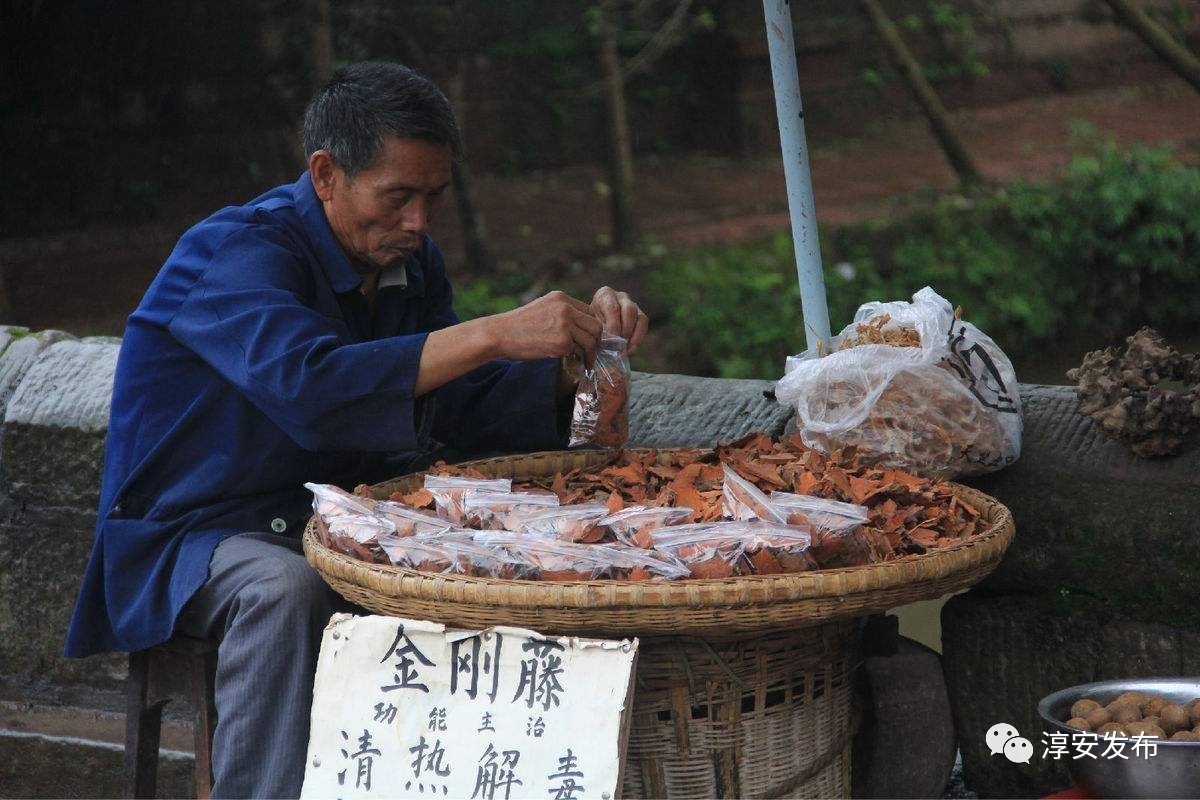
300 337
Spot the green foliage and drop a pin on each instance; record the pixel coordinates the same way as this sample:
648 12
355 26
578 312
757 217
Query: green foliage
944 36
1112 244
733 311
480 298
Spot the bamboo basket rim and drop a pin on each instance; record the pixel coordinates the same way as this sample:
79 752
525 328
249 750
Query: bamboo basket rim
884 578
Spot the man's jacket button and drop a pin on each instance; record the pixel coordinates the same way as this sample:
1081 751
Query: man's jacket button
278 525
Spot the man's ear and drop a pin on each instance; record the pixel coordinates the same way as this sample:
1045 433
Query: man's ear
324 174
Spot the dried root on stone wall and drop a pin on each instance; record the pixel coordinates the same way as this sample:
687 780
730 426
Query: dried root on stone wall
1145 395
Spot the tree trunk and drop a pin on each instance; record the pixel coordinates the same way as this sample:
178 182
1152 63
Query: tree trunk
479 255
914 77
6 309
620 153
1169 50
322 43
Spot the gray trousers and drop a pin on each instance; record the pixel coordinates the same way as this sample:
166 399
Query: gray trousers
268 608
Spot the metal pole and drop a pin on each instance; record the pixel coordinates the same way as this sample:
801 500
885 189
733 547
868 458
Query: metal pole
796 172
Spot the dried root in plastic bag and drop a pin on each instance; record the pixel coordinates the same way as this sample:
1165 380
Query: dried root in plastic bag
450 555
725 549
417 553
634 525
408 520
601 416
631 563
839 536
549 559
742 500
574 523
448 492
332 501
832 515
489 510
358 535
707 549
772 549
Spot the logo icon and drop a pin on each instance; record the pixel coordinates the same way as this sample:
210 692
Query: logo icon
1018 750
997 735
1003 738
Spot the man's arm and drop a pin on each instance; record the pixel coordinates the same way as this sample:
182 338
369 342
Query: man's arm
521 404
555 325
247 318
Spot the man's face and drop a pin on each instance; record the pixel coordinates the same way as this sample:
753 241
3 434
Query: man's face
380 215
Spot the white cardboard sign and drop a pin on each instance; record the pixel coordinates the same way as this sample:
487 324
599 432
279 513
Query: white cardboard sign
408 709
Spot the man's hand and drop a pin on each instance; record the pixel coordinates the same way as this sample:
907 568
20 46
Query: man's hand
555 324
621 316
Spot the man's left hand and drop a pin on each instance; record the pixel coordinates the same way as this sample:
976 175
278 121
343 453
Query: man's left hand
621 316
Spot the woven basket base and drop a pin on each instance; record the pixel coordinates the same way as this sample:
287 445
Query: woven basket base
769 717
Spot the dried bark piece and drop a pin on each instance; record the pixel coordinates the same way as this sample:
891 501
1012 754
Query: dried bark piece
764 562
714 567
1146 396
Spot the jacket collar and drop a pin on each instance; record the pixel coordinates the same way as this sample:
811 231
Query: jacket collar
338 269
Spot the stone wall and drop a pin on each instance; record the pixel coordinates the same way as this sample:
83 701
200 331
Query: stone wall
1100 581
54 397
54 400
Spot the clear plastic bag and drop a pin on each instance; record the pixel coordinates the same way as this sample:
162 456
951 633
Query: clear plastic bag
832 515
634 525
573 523
408 520
726 549
332 501
357 535
450 555
841 537
707 549
448 492
742 500
631 563
772 549
549 559
949 406
601 414
490 510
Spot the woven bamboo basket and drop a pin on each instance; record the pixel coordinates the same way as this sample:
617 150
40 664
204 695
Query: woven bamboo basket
768 717
715 610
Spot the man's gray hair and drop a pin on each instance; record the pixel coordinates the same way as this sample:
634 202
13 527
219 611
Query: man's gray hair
363 103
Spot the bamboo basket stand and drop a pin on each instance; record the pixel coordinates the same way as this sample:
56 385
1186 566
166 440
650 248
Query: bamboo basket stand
744 686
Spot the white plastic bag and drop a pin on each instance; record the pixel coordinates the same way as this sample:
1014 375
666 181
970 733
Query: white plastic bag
947 407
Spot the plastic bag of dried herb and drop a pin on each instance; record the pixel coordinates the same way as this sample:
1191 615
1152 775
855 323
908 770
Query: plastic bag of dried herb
601 416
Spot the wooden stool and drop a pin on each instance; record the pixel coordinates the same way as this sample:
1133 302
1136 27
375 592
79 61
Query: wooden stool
180 668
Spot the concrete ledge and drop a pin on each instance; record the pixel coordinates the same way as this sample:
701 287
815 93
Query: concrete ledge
54 424
686 411
37 765
1094 520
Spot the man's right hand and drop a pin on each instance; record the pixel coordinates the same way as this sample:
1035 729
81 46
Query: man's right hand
554 325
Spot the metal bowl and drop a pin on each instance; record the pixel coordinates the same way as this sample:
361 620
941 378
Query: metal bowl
1174 771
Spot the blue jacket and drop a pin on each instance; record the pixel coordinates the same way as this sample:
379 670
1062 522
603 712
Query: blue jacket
252 365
